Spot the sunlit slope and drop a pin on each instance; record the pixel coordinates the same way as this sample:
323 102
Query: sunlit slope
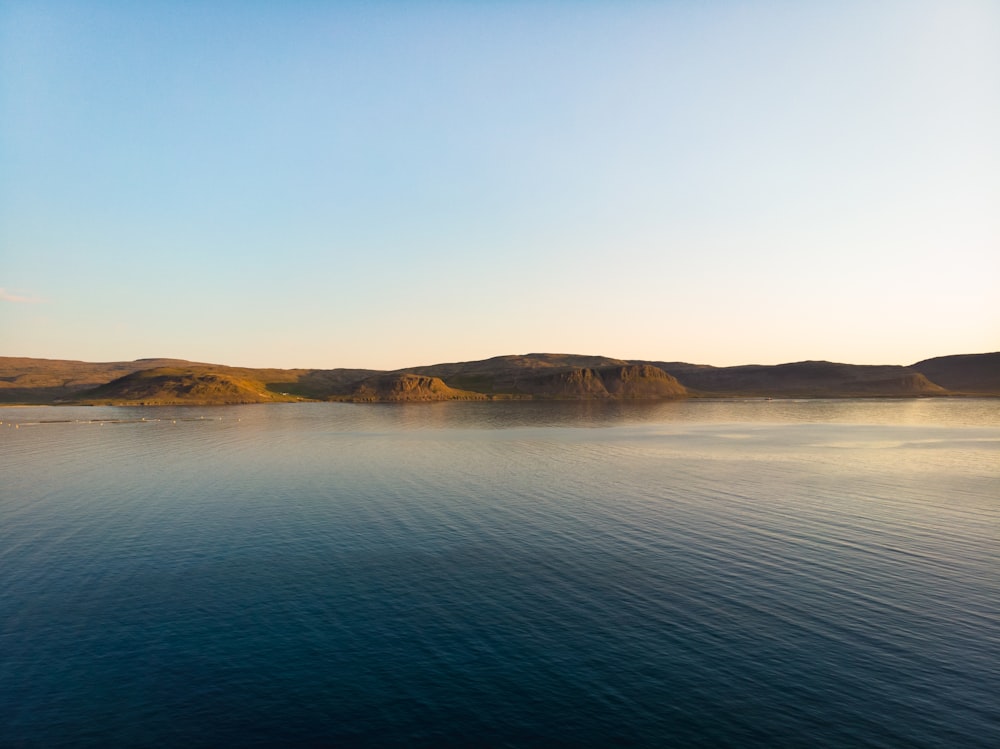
27 380
175 385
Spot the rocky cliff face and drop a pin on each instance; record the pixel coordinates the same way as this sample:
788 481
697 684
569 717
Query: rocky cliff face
408 387
641 381
632 381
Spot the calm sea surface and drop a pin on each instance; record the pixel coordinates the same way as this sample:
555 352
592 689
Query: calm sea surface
717 574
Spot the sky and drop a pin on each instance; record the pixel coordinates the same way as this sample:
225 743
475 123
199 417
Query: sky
387 184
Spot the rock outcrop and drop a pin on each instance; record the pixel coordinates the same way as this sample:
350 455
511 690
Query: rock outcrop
639 381
407 387
630 381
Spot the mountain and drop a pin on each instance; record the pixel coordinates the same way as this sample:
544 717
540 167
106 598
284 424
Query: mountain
558 376
24 380
620 381
510 375
965 373
407 387
43 381
808 379
161 386
527 376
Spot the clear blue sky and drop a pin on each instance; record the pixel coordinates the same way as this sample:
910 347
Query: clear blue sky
384 184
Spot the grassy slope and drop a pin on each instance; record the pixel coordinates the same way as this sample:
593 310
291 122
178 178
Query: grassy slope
184 385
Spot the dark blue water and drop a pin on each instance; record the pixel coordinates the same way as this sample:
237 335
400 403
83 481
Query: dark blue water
757 574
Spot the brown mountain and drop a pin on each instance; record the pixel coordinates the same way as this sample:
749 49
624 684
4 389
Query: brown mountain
174 385
26 380
621 381
407 388
537 376
964 373
561 376
808 379
509 375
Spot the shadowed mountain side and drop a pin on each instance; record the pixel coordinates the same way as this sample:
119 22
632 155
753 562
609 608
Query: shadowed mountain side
407 387
170 385
803 379
964 373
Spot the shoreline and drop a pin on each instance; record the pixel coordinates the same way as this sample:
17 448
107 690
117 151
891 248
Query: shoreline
506 399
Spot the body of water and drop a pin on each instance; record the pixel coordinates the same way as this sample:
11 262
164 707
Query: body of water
710 573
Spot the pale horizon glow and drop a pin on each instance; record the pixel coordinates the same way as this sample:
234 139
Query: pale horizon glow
382 185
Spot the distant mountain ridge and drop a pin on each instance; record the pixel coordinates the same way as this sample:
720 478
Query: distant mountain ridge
524 376
806 379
